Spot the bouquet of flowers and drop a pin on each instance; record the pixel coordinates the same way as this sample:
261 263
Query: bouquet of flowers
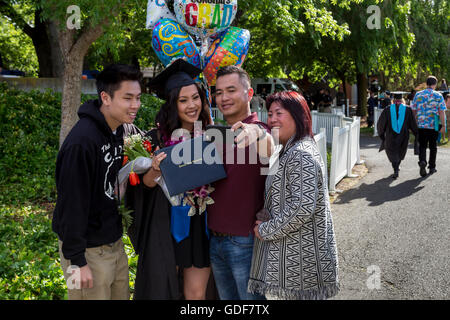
198 199
136 146
137 159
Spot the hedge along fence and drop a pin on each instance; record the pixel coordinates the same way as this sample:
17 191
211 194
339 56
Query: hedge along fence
29 131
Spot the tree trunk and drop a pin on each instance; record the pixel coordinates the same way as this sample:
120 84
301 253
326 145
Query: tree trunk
38 35
43 52
361 79
56 54
344 87
48 51
73 49
71 95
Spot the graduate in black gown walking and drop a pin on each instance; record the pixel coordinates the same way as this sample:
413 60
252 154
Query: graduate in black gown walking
394 125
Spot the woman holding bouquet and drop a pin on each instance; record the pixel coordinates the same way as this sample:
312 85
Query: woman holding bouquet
160 255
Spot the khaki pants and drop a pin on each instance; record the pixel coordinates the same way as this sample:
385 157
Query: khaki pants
109 267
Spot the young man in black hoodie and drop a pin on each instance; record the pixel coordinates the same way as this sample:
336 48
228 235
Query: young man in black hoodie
86 217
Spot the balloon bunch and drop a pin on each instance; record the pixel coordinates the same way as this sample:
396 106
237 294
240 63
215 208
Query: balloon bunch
208 22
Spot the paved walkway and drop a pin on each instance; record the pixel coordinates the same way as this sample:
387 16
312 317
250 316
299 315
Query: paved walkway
397 229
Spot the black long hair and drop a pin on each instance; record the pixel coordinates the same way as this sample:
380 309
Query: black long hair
167 119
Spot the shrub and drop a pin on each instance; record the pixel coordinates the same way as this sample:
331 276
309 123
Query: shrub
29 122
146 115
29 267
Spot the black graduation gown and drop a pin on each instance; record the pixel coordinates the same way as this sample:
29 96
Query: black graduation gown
156 275
395 144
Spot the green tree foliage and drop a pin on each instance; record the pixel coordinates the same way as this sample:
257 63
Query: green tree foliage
29 267
277 26
26 16
375 49
317 39
16 49
132 41
328 38
430 23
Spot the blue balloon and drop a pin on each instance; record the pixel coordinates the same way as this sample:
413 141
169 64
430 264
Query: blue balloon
170 42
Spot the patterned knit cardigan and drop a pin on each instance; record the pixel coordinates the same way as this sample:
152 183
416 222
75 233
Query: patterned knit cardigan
298 257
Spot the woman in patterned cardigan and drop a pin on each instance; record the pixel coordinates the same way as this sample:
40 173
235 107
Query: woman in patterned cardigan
294 255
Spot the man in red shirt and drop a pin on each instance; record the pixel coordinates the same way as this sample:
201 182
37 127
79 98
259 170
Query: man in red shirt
241 195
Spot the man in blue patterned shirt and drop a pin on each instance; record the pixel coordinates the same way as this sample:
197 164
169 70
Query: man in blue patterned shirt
428 107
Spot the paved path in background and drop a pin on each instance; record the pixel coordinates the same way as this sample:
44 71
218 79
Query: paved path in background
400 228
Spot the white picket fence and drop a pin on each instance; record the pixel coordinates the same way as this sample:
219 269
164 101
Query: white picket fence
345 152
338 110
321 140
328 121
376 115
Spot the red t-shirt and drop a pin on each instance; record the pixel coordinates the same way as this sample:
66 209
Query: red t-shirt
240 196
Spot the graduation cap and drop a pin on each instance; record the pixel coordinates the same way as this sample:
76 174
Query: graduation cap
178 74
398 95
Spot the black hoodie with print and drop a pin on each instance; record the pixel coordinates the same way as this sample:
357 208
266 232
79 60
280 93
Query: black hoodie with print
86 213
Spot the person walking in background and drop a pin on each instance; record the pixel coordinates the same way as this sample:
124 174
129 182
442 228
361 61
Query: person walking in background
326 101
428 107
386 101
340 98
317 99
393 127
443 86
410 96
372 103
295 254
86 216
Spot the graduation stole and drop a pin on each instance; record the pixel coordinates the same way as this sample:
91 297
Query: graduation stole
397 124
437 120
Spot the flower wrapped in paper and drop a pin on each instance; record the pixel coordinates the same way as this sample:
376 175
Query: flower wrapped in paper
138 160
138 151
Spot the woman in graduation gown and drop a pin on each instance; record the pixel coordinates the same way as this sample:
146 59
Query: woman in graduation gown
393 127
161 258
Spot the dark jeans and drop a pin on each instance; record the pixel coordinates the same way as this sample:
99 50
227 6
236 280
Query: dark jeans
428 139
231 260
